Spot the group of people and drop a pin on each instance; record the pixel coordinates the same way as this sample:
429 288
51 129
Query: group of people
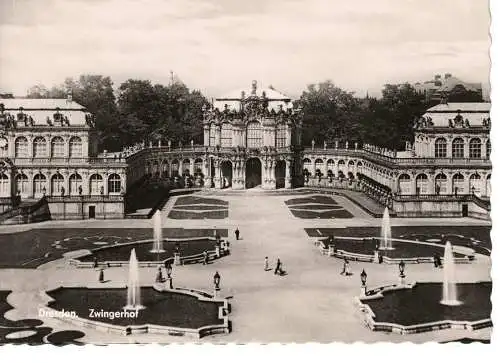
278 270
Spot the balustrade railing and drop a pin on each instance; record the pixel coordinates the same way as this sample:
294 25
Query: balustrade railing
68 161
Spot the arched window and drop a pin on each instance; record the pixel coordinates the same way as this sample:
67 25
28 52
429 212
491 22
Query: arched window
185 167
457 148
475 184
318 164
440 148
114 184
254 134
307 164
57 184
475 148
226 135
39 147
281 135
4 147
330 165
458 183
75 182
39 185
4 185
198 167
21 147
95 184
404 184
488 148
75 147
350 165
212 132
57 147
175 167
22 183
422 184
441 181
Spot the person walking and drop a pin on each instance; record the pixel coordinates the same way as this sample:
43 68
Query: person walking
205 257
278 267
266 264
344 268
237 233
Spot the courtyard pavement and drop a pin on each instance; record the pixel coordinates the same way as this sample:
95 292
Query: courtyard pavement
312 303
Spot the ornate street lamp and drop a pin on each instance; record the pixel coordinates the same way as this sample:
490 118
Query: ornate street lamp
168 269
216 283
363 277
402 272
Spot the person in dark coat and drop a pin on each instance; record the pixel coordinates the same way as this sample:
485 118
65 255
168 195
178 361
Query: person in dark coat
277 270
237 233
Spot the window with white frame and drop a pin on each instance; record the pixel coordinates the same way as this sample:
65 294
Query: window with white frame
39 184
440 148
75 147
213 130
281 135
226 136
39 147
4 147
475 186
114 184
57 184
75 182
57 147
422 183
458 183
254 134
441 184
21 147
404 184
4 185
457 148
95 184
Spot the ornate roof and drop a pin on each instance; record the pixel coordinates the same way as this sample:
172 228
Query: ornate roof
39 110
275 100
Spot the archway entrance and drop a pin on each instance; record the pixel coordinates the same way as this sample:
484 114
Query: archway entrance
253 173
226 168
280 174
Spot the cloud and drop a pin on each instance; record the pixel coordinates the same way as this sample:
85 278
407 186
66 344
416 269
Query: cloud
219 45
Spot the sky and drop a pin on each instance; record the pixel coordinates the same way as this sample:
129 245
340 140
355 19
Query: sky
217 46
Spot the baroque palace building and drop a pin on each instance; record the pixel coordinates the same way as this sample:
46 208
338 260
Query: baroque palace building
48 151
252 138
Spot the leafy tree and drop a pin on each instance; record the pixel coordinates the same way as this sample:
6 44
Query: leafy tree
460 94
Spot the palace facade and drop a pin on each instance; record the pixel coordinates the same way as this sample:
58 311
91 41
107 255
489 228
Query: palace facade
48 153
252 138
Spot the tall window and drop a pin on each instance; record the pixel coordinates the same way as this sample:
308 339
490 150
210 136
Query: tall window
281 135
441 187
488 148
21 147
330 165
75 147
114 184
440 148
57 184
404 184
422 184
175 167
4 185
198 166
475 184
39 147
226 135
254 134
75 182
39 185
475 149
57 147
213 130
4 147
185 167
22 184
95 184
307 164
457 148
457 184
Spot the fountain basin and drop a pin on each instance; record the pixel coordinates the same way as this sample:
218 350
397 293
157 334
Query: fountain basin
179 312
191 250
417 308
363 249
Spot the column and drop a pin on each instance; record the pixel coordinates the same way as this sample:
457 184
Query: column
206 172
272 179
288 135
217 176
466 147
483 148
206 134
191 167
217 134
288 181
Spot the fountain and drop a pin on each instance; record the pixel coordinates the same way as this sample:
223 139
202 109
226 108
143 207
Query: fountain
133 288
449 281
386 232
157 233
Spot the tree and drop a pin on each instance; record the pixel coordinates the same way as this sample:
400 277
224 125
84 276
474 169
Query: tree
461 94
330 113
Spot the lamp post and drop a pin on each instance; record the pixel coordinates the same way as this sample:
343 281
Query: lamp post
168 269
363 277
402 272
216 284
